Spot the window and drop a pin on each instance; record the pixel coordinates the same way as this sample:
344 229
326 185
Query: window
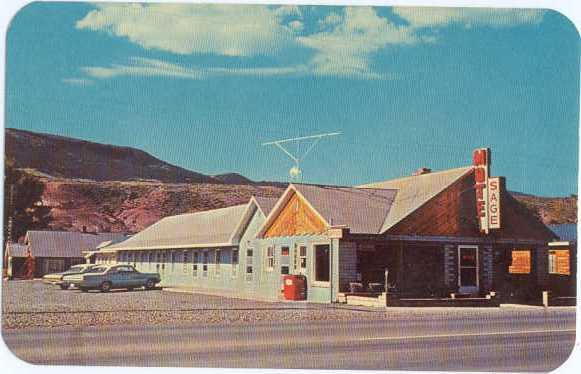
195 262
322 263
218 261
234 262
249 269
163 260
54 266
520 262
269 258
185 258
125 269
172 259
303 256
205 264
559 262
284 260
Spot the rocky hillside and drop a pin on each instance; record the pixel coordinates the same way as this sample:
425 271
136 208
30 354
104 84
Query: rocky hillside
132 206
63 157
551 210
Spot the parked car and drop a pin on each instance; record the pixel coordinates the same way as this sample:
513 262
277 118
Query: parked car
106 278
57 278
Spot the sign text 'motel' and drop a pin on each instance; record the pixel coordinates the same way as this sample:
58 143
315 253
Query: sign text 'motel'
487 192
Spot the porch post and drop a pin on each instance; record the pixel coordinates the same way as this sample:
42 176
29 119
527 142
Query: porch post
334 271
400 267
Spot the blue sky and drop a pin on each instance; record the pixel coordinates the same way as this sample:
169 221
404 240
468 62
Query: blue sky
202 86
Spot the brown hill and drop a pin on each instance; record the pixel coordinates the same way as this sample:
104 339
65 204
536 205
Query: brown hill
132 206
551 210
63 157
233 178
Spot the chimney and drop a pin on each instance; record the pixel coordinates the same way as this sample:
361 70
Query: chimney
422 171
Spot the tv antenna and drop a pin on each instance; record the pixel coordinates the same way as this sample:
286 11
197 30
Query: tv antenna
295 171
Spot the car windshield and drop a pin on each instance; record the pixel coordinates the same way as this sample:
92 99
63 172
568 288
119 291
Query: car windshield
100 269
75 269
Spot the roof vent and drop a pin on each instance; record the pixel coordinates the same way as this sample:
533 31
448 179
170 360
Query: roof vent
422 171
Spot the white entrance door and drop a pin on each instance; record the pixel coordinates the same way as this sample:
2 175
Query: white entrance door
468 269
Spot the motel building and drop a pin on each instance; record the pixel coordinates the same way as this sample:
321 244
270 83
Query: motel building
434 235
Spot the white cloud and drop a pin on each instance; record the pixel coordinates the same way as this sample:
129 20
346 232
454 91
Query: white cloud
346 49
143 67
330 20
220 29
296 25
78 81
343 43
439 17
139 66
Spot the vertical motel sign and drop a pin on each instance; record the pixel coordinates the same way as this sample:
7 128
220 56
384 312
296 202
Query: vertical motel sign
487 192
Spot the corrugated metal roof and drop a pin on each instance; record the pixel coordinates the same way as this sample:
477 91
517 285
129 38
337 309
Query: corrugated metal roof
65 243
565 231
415 191
16 250
362 210
266 203
111 242
208 228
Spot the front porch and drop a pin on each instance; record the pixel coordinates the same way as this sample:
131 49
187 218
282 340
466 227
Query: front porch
437 271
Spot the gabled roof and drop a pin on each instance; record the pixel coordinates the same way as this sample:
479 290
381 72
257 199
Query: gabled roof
65 243
107 243
266 204
565 231
362 210
16 250
415 191
262 204
211 228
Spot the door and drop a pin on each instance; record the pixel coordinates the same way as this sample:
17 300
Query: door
468 269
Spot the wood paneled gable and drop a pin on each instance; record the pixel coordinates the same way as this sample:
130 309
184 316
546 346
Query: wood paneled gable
295 218
453 213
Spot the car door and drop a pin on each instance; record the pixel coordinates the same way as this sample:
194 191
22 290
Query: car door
134 277
123 277
113 275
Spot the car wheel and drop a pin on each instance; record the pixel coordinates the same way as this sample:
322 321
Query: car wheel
64 286
129 289
84 289
105 286
149 284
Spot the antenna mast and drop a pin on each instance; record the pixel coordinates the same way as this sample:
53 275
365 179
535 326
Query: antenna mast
295 172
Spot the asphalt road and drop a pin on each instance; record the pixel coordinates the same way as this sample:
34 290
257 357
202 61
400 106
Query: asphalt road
498 341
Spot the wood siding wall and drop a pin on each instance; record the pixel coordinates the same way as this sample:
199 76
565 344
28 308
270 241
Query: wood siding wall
296 218
453 213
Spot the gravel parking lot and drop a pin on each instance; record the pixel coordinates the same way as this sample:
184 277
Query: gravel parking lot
35 304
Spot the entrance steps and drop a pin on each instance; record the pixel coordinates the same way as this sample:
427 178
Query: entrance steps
363 300
383 300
